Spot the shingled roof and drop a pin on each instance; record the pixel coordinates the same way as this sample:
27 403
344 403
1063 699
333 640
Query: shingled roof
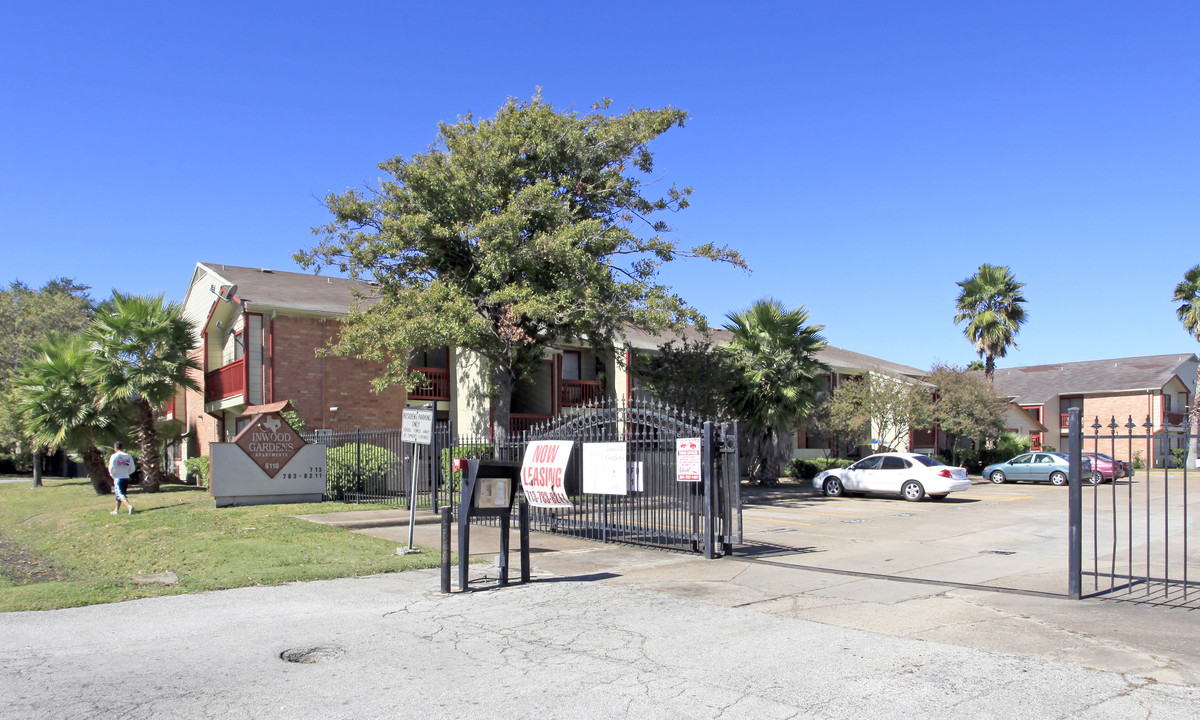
1036 384
304 292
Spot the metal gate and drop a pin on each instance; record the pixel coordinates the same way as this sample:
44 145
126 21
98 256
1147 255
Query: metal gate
658 510
1130 536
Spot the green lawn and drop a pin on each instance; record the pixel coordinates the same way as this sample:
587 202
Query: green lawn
60 547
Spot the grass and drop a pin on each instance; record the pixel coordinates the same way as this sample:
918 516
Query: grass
60 547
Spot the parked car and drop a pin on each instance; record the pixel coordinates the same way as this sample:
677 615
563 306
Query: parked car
1038 467
910 475
1108 467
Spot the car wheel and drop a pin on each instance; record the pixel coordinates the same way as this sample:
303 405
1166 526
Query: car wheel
1096 477
1058 478
833 488
912 491
998 477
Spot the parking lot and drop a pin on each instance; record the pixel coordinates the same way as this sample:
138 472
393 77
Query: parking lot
1010 536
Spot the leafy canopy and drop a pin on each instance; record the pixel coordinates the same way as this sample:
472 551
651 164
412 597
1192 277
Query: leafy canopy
509 233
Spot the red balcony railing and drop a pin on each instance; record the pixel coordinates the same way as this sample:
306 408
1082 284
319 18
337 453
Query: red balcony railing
1173 418
924 438
225 382
1064 420
168 410
520 422
436 386
579 392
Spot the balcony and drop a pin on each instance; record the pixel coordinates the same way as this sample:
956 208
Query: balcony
225 382
436 385
1173 418
520 422
1064 421
579 392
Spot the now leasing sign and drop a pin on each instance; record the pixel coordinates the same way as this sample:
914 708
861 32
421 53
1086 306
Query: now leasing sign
543 473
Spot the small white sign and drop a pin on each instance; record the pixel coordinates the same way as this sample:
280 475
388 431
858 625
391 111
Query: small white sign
543 473
417 426
637 482
687 459
604 469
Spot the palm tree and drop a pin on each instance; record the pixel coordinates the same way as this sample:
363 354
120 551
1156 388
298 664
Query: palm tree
140 354
992 304
773 353
61 409
1187 293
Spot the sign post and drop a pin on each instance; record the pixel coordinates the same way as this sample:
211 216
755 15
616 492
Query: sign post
417 429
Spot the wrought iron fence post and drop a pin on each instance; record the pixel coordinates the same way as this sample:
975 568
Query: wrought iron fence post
358 462
1075 505
706 468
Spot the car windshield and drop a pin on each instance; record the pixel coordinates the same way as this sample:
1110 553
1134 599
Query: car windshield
928 461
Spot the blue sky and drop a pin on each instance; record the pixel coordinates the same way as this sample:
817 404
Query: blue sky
864 156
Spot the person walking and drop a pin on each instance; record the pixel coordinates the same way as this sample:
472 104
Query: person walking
120 466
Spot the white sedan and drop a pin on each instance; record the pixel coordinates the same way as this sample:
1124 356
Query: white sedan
908 474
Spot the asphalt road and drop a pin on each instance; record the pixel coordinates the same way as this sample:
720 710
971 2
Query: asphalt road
390 646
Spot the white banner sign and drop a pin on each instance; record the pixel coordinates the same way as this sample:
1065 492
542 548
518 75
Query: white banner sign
687 459
543 473
604 470
637 482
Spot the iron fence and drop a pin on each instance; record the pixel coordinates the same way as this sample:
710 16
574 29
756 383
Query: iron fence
657 510
1130 535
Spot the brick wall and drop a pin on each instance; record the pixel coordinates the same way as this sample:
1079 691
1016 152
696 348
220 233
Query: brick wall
1122 406
315 384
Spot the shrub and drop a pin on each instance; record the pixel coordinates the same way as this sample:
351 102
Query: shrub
1138 462
1010 445
197 470
1178 457
475 452
341 463
807 469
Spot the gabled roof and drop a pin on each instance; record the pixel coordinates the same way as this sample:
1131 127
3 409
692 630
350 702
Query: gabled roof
282 290
1036 384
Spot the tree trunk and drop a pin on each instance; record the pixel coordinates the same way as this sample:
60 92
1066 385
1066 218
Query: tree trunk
502 391
97 470
147 438
37 468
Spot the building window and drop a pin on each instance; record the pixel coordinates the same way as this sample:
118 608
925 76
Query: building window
570 368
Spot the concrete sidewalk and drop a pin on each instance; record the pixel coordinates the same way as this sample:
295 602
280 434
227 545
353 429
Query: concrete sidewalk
1157 644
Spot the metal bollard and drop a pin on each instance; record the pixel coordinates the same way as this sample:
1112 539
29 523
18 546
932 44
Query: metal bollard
447 522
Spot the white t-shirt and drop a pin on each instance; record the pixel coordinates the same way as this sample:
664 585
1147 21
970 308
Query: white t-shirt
120 465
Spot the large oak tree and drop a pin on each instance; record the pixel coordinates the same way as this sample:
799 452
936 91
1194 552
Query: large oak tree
508 234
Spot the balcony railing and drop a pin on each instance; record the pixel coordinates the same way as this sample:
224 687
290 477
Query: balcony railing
436 386
1064 420
520 422
225 382
579 392
1173 418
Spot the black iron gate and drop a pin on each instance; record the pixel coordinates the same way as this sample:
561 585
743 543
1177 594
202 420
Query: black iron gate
1130 536
657 510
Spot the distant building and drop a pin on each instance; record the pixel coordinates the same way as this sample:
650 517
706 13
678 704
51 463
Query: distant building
1157 389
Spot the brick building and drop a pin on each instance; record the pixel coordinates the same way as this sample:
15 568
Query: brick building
1157 389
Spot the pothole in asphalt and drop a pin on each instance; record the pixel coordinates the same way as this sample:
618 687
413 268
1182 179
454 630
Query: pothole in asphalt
308 655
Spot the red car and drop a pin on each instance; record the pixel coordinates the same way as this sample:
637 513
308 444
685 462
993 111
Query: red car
1106 467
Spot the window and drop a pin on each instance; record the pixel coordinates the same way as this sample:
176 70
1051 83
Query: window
570 367
871 463
1044 459
239 345
1020 460
928 461
892 462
